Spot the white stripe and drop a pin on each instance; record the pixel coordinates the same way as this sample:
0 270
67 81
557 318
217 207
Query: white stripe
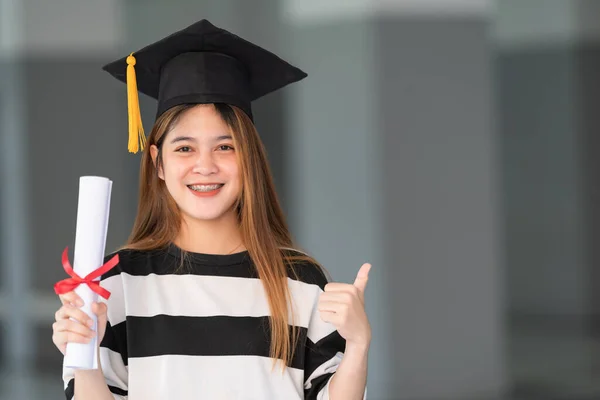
115 372
215 378
205 296
115 303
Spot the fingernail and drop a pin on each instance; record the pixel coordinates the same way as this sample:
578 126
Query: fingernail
79 303
90 322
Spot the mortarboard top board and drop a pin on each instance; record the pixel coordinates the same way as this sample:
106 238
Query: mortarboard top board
198 65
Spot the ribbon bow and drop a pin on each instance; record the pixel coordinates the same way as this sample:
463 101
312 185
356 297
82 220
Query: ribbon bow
69 284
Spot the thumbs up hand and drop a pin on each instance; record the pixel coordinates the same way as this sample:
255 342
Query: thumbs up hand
343 305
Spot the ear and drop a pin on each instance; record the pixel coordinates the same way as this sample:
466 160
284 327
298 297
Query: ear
154 155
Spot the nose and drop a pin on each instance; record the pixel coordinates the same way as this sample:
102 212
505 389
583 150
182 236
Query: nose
205 164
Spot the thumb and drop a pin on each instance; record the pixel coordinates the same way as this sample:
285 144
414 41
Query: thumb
362 277
99 308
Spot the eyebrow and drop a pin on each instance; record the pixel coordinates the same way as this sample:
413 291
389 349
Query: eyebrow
191 139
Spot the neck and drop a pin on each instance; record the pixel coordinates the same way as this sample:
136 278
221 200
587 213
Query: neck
220 236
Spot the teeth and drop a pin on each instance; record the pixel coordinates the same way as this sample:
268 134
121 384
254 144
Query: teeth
205 188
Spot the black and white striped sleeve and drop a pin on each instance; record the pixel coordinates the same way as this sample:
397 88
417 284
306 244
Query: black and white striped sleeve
113 348
323 355
324 346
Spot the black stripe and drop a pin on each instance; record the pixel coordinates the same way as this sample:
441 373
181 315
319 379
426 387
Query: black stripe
115 339
160 262
116 390
204 336
70 390
322 351
317 385
308 273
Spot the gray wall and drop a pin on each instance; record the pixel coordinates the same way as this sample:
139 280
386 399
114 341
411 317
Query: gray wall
395 163
546 63
442 230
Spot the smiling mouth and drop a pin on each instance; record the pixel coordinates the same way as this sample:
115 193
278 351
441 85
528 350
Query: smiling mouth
206 188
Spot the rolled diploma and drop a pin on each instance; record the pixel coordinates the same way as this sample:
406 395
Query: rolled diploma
90 242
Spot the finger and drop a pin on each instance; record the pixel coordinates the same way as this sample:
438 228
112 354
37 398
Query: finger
332 306
67 312
330 317
71 298
339 287
339 296
67 325
99 308
362 277
62 338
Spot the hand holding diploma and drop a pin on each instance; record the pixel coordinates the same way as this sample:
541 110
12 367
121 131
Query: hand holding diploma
75 326
81 321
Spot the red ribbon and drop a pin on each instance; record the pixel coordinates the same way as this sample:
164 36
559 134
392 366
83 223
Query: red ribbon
69 284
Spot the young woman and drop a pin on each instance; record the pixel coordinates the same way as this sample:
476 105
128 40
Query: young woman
210 299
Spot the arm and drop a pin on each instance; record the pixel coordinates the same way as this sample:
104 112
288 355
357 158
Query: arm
91 384
338 343
350 379
343 306
110 380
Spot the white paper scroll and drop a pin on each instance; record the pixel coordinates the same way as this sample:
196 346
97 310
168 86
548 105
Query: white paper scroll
90 242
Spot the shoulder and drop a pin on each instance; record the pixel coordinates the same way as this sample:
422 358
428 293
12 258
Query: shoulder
135 262
304 268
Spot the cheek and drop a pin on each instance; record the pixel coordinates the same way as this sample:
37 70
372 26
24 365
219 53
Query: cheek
175 170
230 168
233 173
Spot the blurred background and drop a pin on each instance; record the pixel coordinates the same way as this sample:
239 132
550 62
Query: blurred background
451 143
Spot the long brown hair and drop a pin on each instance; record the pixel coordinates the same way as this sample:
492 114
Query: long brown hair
261 220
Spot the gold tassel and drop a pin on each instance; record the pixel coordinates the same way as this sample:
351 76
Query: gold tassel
137 138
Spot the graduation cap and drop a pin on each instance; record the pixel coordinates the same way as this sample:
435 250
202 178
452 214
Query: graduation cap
198 65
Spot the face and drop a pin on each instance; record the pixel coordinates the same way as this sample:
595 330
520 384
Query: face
199 165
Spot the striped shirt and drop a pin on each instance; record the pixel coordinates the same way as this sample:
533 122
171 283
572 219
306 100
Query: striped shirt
202 331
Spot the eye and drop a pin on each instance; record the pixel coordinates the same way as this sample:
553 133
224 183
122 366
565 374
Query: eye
225 147
184 149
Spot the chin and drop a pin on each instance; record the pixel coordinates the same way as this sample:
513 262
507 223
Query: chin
208 215
205 217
